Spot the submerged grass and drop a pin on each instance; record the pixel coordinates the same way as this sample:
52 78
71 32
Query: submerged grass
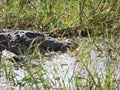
95 69
98 77
68 18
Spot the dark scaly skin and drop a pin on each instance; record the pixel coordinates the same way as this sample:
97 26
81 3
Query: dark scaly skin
18 41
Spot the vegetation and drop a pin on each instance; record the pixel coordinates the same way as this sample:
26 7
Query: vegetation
67 18
60 15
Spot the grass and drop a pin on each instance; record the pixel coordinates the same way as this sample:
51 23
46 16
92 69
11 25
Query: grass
67 18
99 15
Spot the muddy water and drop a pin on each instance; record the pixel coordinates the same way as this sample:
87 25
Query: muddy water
62 69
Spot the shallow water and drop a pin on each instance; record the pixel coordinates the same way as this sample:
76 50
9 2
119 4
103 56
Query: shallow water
62 69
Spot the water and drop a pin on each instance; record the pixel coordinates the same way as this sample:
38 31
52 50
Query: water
62 69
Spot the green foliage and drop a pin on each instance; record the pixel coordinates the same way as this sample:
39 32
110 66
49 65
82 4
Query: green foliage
49 15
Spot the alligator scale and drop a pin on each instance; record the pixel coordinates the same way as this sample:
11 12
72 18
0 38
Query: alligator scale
20 40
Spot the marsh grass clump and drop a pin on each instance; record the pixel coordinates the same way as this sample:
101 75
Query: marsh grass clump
72 16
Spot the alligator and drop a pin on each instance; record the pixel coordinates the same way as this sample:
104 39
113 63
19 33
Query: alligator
20 40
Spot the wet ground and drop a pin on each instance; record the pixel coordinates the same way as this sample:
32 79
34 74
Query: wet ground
62 69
